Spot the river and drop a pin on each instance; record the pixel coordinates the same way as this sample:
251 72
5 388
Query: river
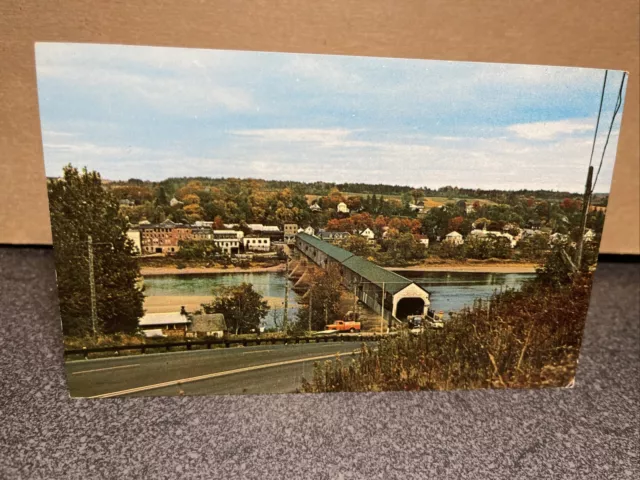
449 291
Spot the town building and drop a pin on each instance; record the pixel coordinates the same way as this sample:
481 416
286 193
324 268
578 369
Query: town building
290 231
342 208
314 207
134 235
174 202
309 230
385 292
163 237
332 237
455 238
416 207
228 241
252 243
201 233
203 223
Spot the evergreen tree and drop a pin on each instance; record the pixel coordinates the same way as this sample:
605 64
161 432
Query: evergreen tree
80 207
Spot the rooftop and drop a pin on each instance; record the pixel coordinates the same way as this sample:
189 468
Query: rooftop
377 275
371 272
171 318
337 253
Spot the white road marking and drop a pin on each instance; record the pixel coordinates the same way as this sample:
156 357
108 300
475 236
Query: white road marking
215 375
106 368
256 351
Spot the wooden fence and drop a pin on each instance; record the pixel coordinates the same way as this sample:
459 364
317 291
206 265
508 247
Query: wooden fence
208 343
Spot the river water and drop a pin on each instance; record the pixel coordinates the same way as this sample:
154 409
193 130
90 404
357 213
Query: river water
450 291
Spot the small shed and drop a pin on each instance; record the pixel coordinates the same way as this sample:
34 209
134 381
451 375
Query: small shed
208 324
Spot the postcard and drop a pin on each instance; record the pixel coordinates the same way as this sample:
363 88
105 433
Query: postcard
237 222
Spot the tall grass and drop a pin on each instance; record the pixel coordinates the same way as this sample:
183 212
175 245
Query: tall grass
529 338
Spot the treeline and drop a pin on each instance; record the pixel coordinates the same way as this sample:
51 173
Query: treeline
323 188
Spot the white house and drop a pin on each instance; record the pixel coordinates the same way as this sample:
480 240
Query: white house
454 238
174 202
309 230
315 207
368 234
256 244
589 235
484 234
342 208
469 209
416 208
423 239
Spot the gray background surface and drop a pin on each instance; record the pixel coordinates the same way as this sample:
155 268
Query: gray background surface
591 431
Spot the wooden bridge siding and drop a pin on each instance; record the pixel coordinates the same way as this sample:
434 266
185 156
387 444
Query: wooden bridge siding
369 294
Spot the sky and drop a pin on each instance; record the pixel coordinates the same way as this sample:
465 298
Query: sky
158 112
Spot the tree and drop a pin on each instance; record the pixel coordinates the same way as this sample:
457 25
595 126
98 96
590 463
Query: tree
198 250
243 308
401 249
324 296
534 247
357 245
79 207
455 223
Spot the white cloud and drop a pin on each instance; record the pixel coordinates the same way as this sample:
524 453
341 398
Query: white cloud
179 82
552 130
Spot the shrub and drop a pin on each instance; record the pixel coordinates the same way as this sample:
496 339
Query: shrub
520 339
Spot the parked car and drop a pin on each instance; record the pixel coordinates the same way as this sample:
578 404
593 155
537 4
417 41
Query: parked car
342 326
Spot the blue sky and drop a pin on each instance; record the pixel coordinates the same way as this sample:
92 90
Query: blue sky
156 112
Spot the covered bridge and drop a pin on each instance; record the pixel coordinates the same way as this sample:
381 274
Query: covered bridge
370 282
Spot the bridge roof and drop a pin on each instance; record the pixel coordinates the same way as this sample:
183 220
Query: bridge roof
337 253
377 275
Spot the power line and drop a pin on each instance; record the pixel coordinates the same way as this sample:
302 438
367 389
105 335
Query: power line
613 119
595 134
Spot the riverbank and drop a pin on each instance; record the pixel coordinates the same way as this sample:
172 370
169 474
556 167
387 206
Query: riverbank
462 267
172 303
174 270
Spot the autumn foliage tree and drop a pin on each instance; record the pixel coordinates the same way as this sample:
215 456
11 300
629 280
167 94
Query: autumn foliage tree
323 297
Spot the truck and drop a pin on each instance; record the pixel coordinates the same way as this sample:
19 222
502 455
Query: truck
417 323
342 326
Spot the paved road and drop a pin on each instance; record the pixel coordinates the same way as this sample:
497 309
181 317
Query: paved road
257 369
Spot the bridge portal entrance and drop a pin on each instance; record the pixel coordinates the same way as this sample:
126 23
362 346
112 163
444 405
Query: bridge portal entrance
409 306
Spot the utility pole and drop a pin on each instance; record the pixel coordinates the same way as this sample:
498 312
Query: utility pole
310 307
355 301
326 313
586 200
92 285
285 318
382 310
